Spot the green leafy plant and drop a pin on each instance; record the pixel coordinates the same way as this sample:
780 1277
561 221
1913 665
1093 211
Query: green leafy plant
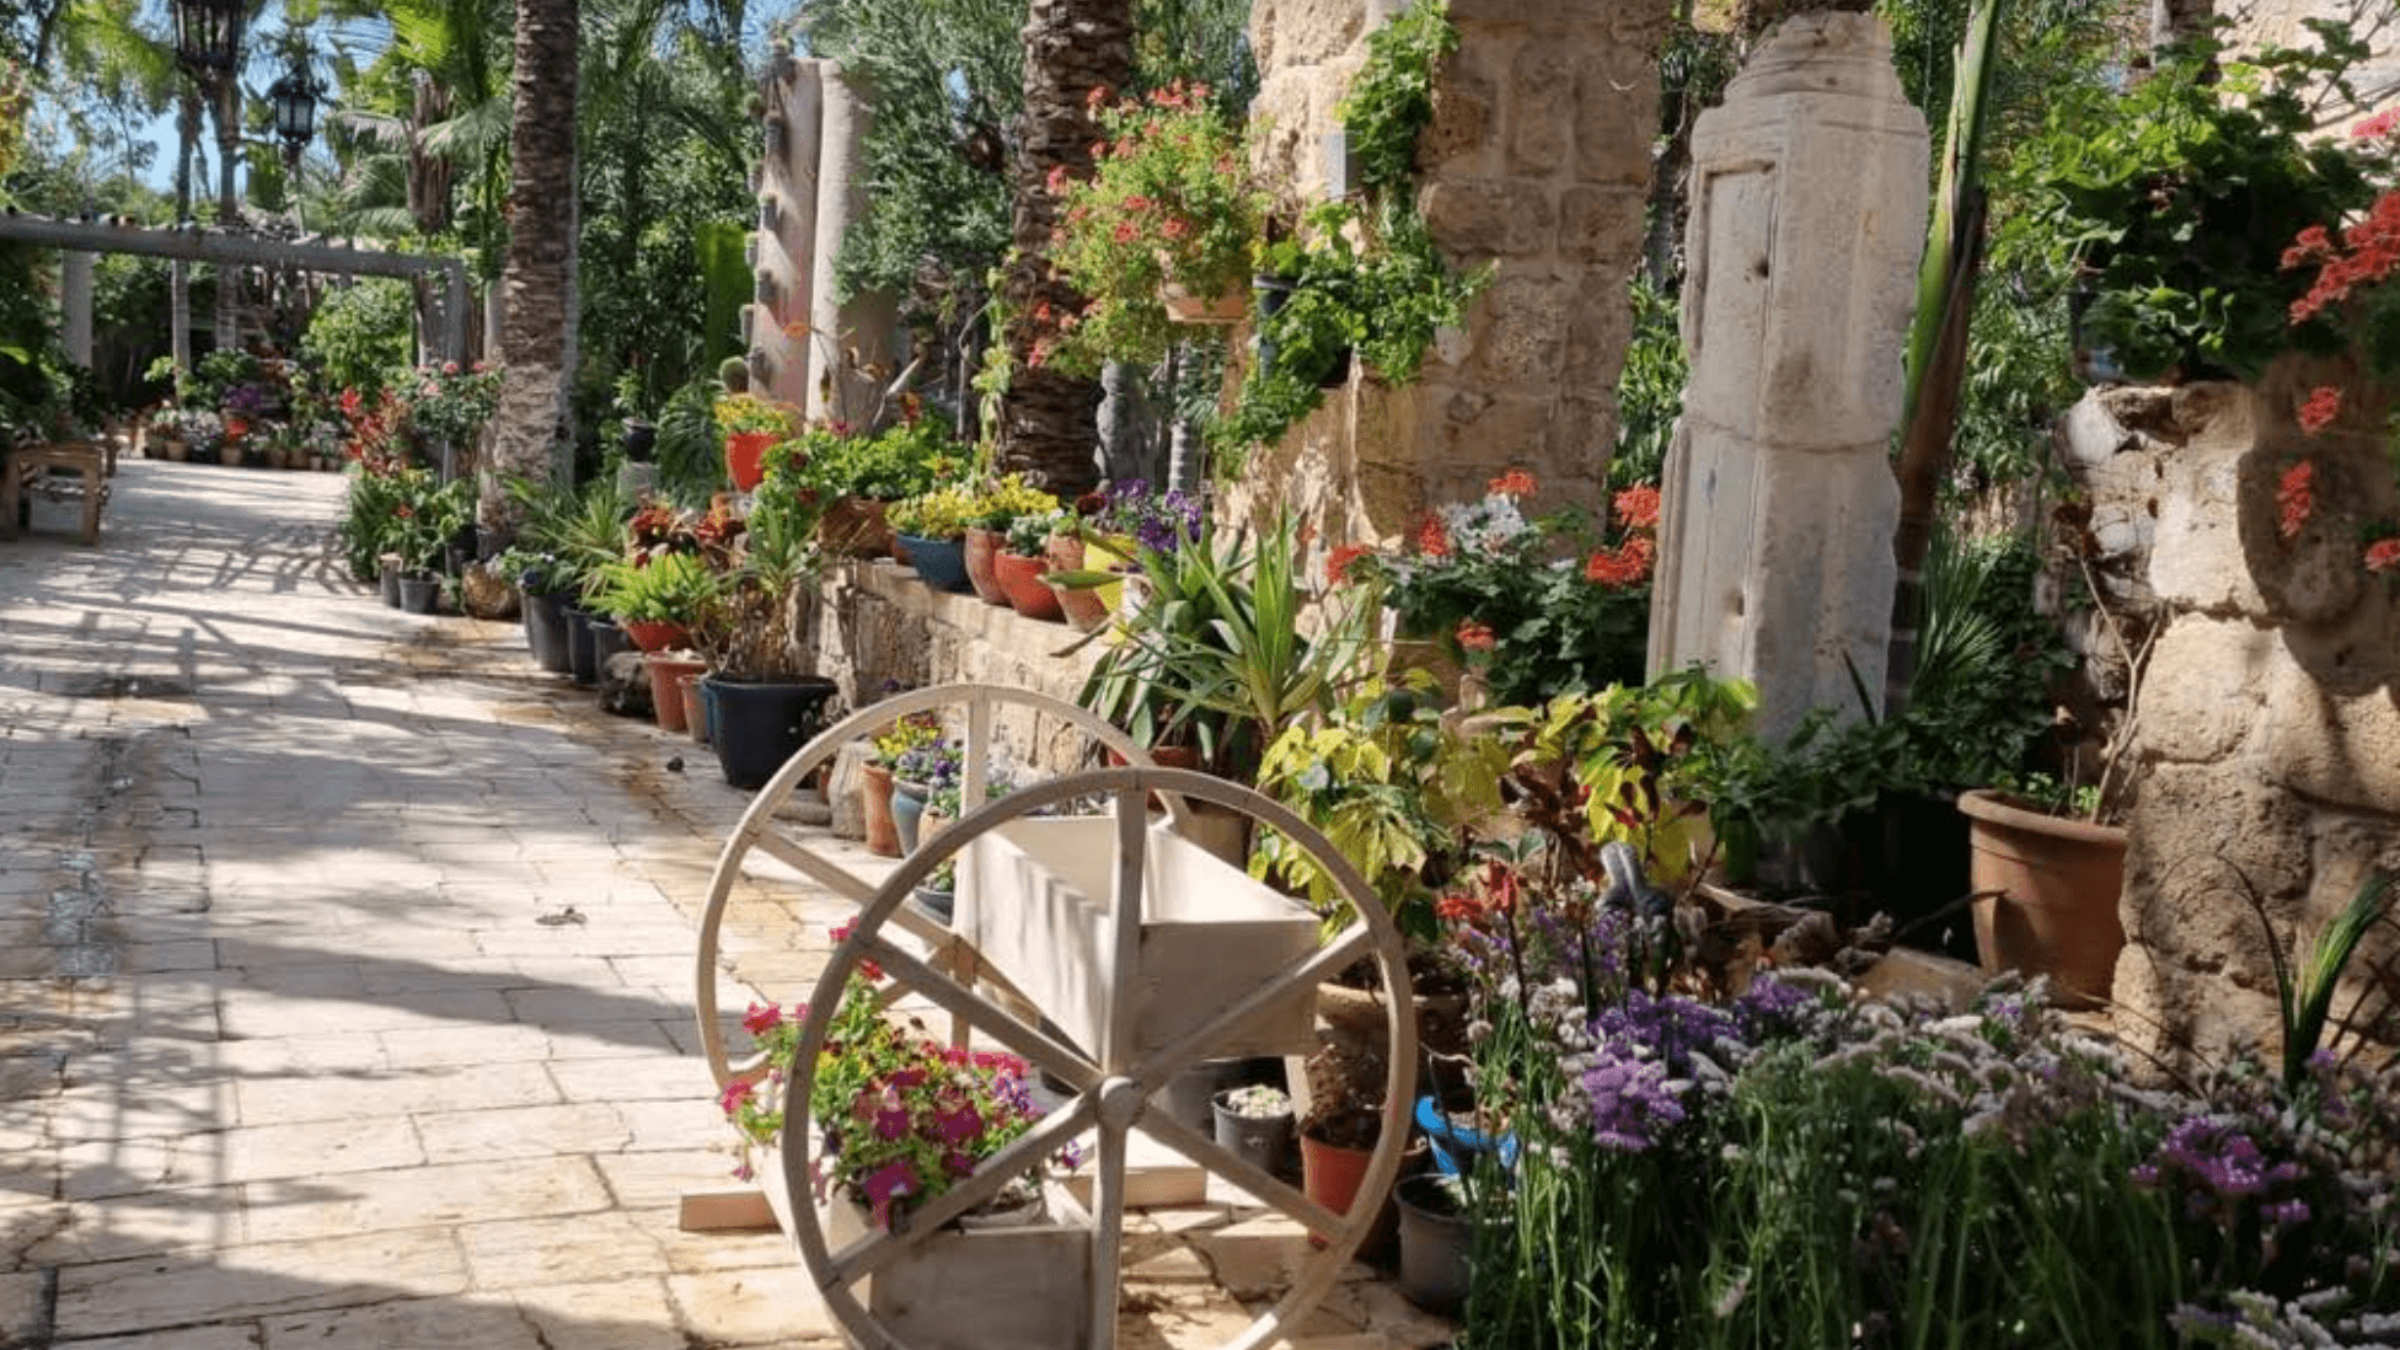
907 458
666 588
1386 300
358 333
1391 786
1391 98
1216 651
2304 991
449 403
2168 206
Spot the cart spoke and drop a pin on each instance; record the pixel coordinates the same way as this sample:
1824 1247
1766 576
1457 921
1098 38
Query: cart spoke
1122 961
844 882
1191 1047
1044 1051
878 1249
1108 1233
973 784
1205 1151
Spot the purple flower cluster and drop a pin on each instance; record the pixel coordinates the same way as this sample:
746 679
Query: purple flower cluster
1669 1028
1772 1010
1160 522
1633 1103
2219 1171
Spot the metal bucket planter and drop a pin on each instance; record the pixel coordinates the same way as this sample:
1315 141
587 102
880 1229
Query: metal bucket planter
546 631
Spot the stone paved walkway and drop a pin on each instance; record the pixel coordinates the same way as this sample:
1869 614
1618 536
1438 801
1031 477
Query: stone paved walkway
345 990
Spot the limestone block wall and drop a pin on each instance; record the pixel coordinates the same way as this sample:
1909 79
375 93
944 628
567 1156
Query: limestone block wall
1538 159
2265 736
876 629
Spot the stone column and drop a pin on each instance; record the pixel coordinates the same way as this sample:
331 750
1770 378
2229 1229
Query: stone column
1808 217
784 251
75 298
849 341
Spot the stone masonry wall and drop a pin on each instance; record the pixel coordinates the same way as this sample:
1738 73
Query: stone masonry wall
1538 158
877 629
2265 743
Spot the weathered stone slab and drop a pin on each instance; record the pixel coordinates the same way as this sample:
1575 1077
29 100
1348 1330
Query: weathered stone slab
113 1297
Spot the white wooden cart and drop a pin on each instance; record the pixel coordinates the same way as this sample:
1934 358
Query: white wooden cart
1109 951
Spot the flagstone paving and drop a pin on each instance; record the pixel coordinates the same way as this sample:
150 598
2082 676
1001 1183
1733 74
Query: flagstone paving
344 974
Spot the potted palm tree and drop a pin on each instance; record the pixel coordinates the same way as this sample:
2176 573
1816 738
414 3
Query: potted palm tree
763 697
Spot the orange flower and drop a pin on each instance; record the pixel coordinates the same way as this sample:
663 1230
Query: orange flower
1433 538
2324 404
1514 483
2296 494
1626 565
1637 508
2383 555
1337 567
1476 637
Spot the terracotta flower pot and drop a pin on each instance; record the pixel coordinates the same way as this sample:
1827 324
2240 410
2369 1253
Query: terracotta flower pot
695 706
875 801
666 694
1083 608
2058 881
982 551
745 458
1020 579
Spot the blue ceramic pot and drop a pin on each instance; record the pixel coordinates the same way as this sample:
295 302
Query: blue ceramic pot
908 812
942 563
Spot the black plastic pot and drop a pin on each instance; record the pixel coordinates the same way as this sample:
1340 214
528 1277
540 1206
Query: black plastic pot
760 724
607 640
640 438
420 594
1267 1143
1922 867
579 647
1436 1239
387 582
546 631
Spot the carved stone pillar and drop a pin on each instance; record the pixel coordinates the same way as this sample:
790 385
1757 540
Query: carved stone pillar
1808 219
849 341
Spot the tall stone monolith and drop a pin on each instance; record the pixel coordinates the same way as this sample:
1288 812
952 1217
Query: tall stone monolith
850 339
1809 200
783 255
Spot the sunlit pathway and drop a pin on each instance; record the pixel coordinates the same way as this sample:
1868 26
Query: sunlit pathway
346 993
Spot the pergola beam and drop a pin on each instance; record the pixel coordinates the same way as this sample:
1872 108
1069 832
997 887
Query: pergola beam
193 244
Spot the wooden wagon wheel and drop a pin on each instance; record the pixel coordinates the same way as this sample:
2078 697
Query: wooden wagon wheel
759 829
1114 1084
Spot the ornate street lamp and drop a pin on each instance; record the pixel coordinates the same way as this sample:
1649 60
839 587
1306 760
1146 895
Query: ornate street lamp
294 100
208 37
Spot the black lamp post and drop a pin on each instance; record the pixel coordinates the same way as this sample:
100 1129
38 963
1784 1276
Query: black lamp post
208 45
293 97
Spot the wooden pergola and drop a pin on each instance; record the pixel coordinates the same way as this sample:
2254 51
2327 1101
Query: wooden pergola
193 244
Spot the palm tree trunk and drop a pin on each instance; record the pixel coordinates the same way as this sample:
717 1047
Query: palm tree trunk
538 329
1048 427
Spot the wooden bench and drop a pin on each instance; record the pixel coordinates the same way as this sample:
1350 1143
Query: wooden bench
63 471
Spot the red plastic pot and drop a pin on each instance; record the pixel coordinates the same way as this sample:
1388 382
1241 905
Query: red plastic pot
1020 579
746 456
655 635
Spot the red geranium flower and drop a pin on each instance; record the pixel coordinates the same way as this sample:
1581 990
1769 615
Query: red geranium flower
2384 554
1514 483
1637 508
1476 637
2297 497
1337 567
2324 404
1433 537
